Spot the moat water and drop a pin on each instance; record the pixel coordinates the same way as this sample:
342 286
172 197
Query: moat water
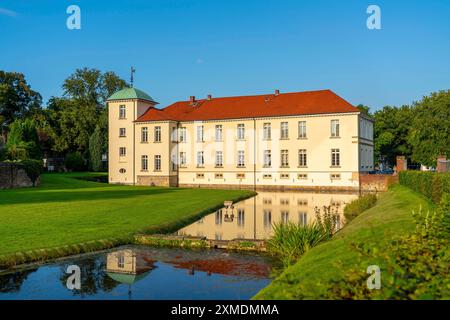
145 273
142 273
254 218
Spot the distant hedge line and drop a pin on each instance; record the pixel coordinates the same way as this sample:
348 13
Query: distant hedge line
431 184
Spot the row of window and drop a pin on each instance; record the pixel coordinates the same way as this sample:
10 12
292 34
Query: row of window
267 217
284 155
300 176
267 132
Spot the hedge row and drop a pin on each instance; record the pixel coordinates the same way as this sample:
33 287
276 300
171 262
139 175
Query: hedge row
357 206
431 184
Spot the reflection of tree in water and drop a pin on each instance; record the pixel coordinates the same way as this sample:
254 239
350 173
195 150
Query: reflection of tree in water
93 277
12 282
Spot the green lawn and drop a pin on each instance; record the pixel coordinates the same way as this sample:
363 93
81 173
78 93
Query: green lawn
65 211
392 215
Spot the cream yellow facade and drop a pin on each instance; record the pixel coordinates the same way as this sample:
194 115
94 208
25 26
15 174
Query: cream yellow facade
313 151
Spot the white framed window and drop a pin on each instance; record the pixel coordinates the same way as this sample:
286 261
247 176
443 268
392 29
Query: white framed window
284 127
200 133
302 129
284 176
122 111
157 163
302 176
267 131
335 128
302 158
173 135
267 158
219 159
284 217
218 176
157 134
240 175
335 176
144 134
121 261
218 132
284 158
122 152
302 218
122 132
241 218
218 217
267 219
241 158
200 175
183 135
241 131
182 159
335 157
174 163
200 159
144 163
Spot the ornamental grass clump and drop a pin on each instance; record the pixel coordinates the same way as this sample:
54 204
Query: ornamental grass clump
291 241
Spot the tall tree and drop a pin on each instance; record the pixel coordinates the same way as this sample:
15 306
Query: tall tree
91 87
75 116
391 133
17 100
23 140
364 109
430 128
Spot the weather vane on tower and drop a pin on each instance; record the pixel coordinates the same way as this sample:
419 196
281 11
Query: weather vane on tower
133 70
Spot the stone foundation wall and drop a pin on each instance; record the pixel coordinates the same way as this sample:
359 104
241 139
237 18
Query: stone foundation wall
158 181
11 176
377 182
272 187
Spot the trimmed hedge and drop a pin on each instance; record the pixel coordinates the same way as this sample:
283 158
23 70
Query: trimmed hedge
357 206
431 184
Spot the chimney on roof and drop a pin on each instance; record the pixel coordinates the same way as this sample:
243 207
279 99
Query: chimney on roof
209 97
277 92
192 99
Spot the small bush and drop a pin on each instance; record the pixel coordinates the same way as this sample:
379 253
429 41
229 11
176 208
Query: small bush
74 162
413 266
291 241
431 184
357 206
33 168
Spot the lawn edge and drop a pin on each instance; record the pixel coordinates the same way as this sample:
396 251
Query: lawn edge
14 260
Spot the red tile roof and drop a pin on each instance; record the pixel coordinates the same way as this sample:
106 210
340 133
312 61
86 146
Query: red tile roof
267 105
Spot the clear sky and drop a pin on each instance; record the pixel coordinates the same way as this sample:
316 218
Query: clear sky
235 47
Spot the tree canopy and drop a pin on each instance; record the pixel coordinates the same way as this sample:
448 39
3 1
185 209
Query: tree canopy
17 100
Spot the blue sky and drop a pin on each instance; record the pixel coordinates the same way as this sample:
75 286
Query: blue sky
235 47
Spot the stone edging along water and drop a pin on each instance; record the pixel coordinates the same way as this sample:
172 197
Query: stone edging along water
162 240
143 237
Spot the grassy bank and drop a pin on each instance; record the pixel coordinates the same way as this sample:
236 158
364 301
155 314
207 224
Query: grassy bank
66 215
311 276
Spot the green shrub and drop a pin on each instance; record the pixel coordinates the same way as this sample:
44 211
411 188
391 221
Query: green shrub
74 162
414 266
291 241
357 206
431 184
33 168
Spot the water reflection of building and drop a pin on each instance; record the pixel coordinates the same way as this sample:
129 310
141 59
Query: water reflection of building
128 266
253 218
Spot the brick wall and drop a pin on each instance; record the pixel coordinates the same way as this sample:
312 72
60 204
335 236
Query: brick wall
13 177
377 182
